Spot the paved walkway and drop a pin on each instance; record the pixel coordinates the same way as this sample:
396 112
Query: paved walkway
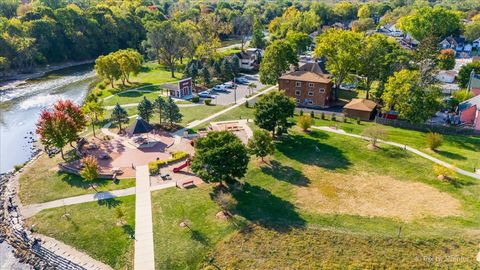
408 148
144 256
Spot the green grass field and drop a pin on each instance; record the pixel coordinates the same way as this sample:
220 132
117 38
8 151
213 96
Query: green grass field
94 228
41 182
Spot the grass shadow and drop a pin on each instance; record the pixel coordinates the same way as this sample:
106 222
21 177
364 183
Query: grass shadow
285 173
109 203
310 151
318 134
261 207
450 155
129 230
77 181
394 152
199 237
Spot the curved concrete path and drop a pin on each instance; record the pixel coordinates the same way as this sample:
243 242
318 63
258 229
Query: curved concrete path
403 146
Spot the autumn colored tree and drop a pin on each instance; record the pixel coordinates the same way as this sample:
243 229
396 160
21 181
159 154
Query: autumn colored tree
89 171
446 59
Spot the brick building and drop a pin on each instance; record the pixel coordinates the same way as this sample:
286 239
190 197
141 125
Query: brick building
309 85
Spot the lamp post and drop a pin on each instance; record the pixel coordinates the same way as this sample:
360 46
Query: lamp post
234 89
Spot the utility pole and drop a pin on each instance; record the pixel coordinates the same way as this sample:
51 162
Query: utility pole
234 89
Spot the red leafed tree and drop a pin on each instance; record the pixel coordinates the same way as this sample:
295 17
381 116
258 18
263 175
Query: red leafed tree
60 126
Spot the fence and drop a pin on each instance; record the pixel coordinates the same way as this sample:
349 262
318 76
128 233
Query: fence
426 127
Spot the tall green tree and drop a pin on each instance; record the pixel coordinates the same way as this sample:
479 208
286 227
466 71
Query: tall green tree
145 109
258 37
404 93
205 75
342 49
261 144
472 31
94 110
277 59
172 112
465 73
107 67
272 111
210 162
159 106
300 41
119 115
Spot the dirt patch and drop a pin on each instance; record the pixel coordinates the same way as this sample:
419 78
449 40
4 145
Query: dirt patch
367 194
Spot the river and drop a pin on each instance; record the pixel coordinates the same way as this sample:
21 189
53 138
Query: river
20 106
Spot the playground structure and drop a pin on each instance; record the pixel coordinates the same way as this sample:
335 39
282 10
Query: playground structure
181 167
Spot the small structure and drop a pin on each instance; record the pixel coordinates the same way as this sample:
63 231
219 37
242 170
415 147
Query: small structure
309 85
469 111
446 76
139 127
361 108
180 89
449 43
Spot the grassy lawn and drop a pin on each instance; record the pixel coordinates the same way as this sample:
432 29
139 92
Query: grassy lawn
151 73
231 51
230 41
94 228
42 182
462 151
241 112
185 248
134 96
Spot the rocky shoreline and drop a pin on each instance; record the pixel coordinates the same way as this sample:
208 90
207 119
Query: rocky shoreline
26 248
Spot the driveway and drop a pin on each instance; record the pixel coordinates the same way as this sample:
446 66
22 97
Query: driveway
227 98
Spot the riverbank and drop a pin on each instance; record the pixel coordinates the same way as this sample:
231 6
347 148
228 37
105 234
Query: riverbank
16 79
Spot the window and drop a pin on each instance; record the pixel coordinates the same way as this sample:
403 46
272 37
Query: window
311 84
310 93
308 101
298 84
298 100
322 90
297 92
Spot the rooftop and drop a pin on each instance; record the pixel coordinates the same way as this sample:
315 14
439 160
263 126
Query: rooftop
306 76
361 104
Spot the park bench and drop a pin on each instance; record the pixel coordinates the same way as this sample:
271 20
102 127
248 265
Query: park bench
188 184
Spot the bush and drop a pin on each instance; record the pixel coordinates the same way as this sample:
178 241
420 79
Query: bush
434 140
359 121
345 119
246 104
312 114
375 133
207 101
195 99
101 85
305 122
301 112
334 117
154 166
18 166
443 172
322 115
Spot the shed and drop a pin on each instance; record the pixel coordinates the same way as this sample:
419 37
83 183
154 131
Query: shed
360 108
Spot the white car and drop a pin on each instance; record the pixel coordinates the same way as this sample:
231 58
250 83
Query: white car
206 94
219 88
241 80
229 85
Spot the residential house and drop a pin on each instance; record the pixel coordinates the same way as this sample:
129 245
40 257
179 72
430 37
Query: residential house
446 76
449 43
250 59
476 43
474 83
309 85
469 111
390 30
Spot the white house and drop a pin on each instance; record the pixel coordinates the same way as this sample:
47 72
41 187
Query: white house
446 76
390 30
449 43
249 59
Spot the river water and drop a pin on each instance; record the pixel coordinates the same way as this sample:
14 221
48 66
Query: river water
20 106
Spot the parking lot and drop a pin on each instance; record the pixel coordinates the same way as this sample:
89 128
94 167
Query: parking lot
226 98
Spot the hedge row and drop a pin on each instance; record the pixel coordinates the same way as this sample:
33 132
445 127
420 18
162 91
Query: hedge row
154 166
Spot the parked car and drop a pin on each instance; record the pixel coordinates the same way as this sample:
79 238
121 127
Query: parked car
348 86
219 88
206 94
241 80
229 85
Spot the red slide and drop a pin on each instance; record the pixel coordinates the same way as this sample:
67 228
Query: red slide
181 167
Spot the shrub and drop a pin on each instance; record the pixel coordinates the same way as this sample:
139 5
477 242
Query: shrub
359 121
334 117
207 101
322 115
305 122
374 133
443 172
246 104
312 114
153 166
18 166
101 85
195 99
345 119
434 140
301 112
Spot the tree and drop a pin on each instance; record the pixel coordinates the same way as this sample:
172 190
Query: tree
235 63
251 86
374 133
434 140
258 38
363 25
242 26
300 41
61 126
472 31
404 93
379 58
446 59
172 112
220 157
226 70
345 11
341 48
89 171
261 144
159 107
145 109
108 68
226 202
305 122
364 12
465 73
427 21
119 116
462 95
164 43
277 59
129 61
273 109
94 109
205 75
